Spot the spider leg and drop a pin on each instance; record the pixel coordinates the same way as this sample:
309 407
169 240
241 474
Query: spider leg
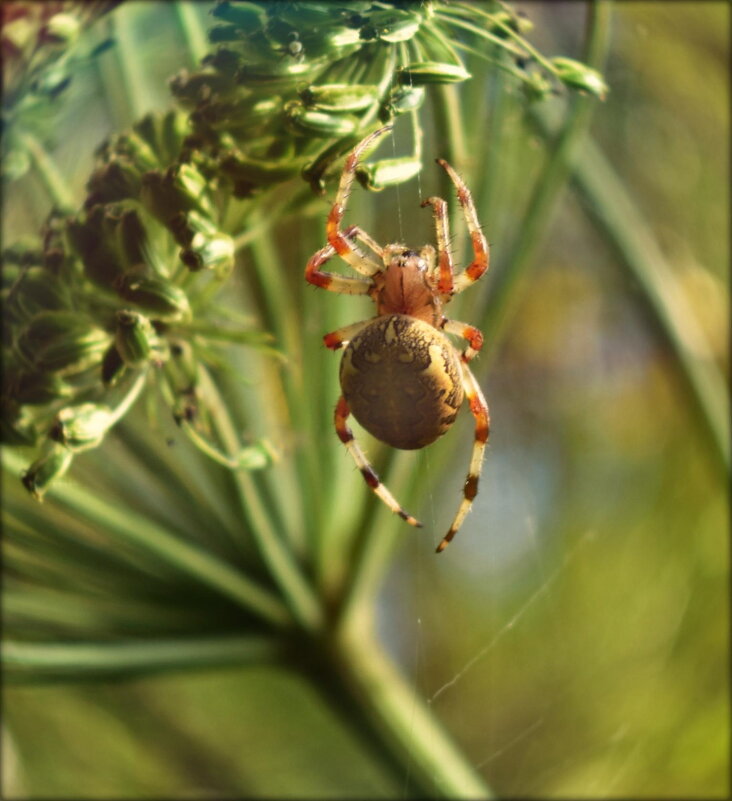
338 239
470 333
342 336
445 266
359 457
356 232
480 247
330 281
479 408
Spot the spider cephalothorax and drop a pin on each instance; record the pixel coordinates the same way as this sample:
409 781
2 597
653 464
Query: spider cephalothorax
401 377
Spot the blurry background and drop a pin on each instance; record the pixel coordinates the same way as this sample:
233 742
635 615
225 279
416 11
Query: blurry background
574 638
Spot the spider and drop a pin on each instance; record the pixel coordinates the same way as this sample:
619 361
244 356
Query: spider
400 376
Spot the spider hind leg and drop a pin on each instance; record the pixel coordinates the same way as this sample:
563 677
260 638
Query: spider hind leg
479 408
367 471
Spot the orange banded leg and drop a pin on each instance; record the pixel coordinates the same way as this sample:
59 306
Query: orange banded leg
444 265
356 232
340 240
330 281
480 247
346 436
479 408
342 336
470 333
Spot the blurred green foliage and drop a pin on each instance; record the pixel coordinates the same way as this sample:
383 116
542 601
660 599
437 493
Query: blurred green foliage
575 637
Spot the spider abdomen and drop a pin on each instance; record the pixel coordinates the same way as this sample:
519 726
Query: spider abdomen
402 380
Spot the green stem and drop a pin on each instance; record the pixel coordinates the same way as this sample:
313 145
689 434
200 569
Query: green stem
505 291
193 30
48 172
612 209
131 70
173 550
34 661
280 560
404 722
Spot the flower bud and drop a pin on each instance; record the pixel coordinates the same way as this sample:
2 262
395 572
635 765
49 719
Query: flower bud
427 72
136 340
34 290
179 188
82 427
244 171
53 462
392 25
158 298
304 122
388 172
246 15
113 366
61 341
401 100
209 252
578 76
38 389
340 98
61 29
131 238
120 179
92 236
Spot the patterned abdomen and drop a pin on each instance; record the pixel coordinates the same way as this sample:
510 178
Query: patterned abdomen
402 380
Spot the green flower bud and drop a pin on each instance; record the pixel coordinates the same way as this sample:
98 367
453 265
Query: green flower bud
340 98
388 172
247 16
209 252
33 291
62 29
120 179
13 429
61 341
160 299
38 389
82 427
576 75
113 366
136 340
179 188
391 25
427 72
253 173
304 122
53 462
93 237
132 239
401 100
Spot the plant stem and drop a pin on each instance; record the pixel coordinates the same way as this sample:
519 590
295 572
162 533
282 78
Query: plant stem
405 724
164 545
193 31
49 174
281 562
612 209
34 661
504 293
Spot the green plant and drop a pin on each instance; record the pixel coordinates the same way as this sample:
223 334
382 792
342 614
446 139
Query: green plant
178 288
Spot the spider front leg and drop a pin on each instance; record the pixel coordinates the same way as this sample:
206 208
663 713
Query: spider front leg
359 457
330 281
479 408
338 239
480 247
445 268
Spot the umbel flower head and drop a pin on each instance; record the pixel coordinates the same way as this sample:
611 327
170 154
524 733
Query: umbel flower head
120 294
